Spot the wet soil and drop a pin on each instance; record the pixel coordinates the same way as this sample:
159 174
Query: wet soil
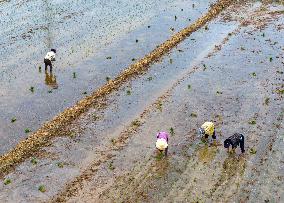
230 73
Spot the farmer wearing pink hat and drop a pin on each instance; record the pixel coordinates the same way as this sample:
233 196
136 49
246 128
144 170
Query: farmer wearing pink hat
162 142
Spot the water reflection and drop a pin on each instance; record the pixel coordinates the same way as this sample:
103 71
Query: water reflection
50 79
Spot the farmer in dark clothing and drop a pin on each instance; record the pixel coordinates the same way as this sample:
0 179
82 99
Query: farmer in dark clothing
235 140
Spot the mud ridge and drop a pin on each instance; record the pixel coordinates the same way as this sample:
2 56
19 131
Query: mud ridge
58 125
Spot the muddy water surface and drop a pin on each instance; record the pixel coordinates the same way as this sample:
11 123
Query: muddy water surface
95 40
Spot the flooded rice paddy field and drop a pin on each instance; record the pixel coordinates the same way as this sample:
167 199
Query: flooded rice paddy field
229 72
95 40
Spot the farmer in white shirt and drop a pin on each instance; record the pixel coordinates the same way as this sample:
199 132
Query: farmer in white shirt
49 57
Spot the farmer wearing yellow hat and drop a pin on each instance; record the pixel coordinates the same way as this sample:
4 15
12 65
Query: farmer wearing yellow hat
162 142
206 130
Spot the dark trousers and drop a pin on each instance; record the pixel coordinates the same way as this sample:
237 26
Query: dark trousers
242 143
213 136
47 62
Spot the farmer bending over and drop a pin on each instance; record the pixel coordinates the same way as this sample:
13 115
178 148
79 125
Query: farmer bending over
49 57
235 140
206 130
162 142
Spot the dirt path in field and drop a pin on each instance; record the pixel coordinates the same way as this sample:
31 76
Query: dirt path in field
230 72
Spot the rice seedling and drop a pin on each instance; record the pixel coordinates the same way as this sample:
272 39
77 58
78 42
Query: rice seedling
27 130
253 74
32 89
34 161
111 166
172 132
41 188
266 101
252 151
7 181
60 165
194 115
252 122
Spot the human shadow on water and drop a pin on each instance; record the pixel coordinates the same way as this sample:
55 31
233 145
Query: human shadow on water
50 79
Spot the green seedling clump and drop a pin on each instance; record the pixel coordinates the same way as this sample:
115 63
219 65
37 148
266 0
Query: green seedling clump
160 106
74 75
27 130
128 92
95 117
49 91
194 115
109 57
189 87
113 141
252 151
13 120
204 67
111 166
60 165
253 74
280 91
266 101
252 122
219 92
159 156
84 92
107 79
34 161
172 132
41 188
7 181
32 89
150 78
270 59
